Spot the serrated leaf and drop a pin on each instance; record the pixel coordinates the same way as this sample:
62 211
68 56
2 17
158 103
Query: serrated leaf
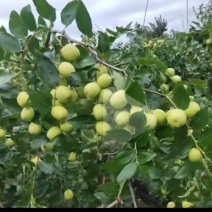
68 13
135 94
200 119
17 26
181 97
9 43
144 157
119 135
103 42
28 18
83 20
45 10
127 172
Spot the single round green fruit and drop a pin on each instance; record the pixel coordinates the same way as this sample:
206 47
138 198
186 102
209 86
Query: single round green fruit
164 78
63 93
66 69
104 80
104 96
161 117
22 98
176 118
208 41
191 98
70 52
186 204
102 128
74 96
175 79
68 194
59 113
135 109
9 143
36 160
53 132
53 93
192 109
72 157
99 112
122 118
2 133
63 81
164 88
170 72
66 127
92 90
118 100
56 102
185 86
102 69
151 121
171 205
34 129
194 155
27 114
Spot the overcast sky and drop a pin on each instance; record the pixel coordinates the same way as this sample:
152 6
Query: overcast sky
111 13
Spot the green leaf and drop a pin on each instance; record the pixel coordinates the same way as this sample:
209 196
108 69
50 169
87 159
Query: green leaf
180 96
127 172
109 189
17 26
33 44
45 10
83 20
200 119
83 107
119 80
82 121
48 73
85 62
38 142
9 43
46 167
144 157
135 95
41 22
68 13
28 18
204 140
1 54
119 135
198 83
138 119
103 42
41 101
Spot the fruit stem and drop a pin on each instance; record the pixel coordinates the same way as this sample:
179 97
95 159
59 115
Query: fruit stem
132 194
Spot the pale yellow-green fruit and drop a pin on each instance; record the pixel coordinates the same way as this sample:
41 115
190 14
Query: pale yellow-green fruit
104 96
66 127
122 118
164 78
53 132
63 93
9 142
161 41
102 128
186 204
186 87
151 121
63 81
100 112
66 69
47 148
53 93
175 79
170 72
171 205
161 116
208 41
102 69
56 102
60 113
192 109
2 133
72 156
22 98
74 96
104 80
191 98
36 160
129 128
92 89
164 87
135 109
68 194
194 155
27 114
34 129
176 118
118 100
70 52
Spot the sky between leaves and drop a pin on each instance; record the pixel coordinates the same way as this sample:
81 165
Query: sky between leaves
112 13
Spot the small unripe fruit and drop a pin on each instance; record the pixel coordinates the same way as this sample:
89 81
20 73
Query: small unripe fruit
63 93
2 133
122 118
208 41
161 117
175 79
192 109
171 205
170 72
74 96
194 155
66 69
164 87
102 128
176 118
104 96
118 100
27 114
70 52
191 98
72 157
99 112
34 129
22 98
53 93
135 109
9 143
151 121
68 194
36 160
104 80
186 204
102 69
59 113
53 132
92 89
66 127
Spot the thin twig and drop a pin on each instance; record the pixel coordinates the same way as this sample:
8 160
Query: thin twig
147 3
154 92
132 195
114 203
